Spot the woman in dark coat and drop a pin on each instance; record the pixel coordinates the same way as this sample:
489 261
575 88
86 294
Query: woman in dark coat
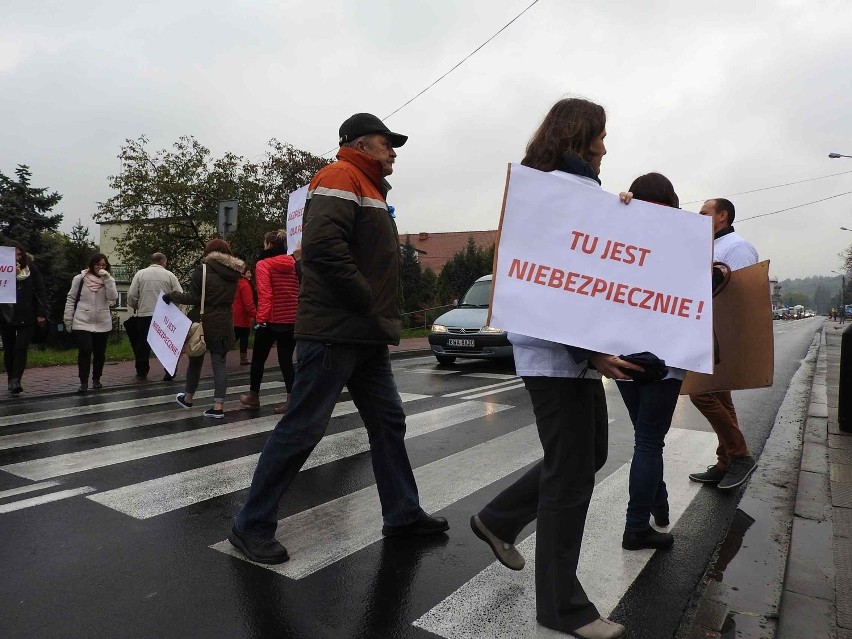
223 274
18 321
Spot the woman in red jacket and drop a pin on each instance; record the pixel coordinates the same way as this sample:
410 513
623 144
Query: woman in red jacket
276 277
244 313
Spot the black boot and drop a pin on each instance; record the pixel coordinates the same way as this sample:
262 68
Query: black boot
648 538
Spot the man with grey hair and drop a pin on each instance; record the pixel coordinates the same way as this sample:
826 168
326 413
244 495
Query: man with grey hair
142 297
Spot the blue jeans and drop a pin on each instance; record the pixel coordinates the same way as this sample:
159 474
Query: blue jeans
322 370
651 406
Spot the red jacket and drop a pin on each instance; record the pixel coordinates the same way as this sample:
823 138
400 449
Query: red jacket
277 288
243 306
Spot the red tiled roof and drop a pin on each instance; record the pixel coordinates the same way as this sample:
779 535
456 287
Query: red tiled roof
435 249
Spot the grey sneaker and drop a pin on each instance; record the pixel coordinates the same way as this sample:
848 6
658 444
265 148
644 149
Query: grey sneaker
739 469
713 475
506 553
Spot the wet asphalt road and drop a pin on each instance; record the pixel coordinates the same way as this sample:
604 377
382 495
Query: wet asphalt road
139 562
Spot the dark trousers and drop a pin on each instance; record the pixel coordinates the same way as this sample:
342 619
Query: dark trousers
571 417
323 371
91 353
141 347
242 335
264 338
16 341
651 406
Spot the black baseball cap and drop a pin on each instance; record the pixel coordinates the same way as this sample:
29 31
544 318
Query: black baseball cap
365 124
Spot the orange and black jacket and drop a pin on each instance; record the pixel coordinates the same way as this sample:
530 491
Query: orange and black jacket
350 256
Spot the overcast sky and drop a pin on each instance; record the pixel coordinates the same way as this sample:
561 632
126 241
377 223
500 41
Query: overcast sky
722 97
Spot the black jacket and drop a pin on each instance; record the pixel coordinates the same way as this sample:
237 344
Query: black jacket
31 301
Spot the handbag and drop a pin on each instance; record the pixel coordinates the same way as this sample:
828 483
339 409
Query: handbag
655 368
194 346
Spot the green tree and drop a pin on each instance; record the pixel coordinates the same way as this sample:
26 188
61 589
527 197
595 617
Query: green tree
169 198
410 275
24 210
462 270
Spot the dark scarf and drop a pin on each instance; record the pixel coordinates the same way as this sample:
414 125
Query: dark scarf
574 164
272 252
723 232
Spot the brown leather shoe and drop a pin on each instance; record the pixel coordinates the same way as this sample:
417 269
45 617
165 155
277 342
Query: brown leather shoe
250 400
600 629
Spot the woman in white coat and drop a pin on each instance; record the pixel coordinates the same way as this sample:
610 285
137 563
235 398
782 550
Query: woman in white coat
87 315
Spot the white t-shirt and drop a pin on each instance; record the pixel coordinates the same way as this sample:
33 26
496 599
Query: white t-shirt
735 251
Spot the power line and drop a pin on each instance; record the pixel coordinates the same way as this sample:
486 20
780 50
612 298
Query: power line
798 206
777 186
456 66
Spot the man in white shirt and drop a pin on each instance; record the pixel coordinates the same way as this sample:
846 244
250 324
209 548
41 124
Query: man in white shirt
735 463
142 297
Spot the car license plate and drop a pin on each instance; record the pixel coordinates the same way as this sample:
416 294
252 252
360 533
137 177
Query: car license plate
465 343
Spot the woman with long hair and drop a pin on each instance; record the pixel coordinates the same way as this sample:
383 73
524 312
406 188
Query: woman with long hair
217 276
571 416
87 315
277 281
18 321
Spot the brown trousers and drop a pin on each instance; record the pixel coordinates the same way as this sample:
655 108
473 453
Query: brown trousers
718 408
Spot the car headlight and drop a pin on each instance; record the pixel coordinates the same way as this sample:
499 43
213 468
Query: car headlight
491 329
439 328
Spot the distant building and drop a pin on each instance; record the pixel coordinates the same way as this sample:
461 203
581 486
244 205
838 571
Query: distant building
775 294
436 249
112 235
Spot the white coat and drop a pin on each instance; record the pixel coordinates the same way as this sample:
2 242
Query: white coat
92 313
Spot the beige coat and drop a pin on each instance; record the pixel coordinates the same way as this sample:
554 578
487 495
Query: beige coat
92 313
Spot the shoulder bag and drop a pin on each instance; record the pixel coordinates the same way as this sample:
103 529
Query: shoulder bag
194 346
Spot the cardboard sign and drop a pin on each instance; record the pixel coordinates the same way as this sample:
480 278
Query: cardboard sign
295 213
742 321
8 273
168 333
574 265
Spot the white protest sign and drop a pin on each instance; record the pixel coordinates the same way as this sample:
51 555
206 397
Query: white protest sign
577 266
295 212
168 333
8 271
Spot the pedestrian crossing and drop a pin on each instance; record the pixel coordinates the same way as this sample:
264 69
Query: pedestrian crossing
489 416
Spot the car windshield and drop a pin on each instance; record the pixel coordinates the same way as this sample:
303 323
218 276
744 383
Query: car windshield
477 296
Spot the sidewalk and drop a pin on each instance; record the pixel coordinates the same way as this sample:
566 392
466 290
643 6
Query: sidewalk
817 595
61 380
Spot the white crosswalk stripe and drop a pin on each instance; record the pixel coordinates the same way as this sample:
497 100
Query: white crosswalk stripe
165 494
500 604
50 467
325 534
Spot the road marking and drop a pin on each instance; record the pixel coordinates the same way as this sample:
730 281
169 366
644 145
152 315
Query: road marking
56 466
431 371
165 494
322 535
493 392
478 388
108 407
500 604
28 489
44 499
491 375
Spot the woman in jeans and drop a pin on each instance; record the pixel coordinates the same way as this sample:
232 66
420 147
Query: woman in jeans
18 321
651 406
277 280
571 416
223 272
87 315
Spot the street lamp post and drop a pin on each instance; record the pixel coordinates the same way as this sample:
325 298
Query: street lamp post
844 405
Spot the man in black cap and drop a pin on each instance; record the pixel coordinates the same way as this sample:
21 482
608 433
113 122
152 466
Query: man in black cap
348 315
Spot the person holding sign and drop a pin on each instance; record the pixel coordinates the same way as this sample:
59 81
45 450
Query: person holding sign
651 405
87 315
348 315
222 274
734 461
18 321
568 399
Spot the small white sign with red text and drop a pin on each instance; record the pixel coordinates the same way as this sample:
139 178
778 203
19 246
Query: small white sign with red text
8 273
167 334
577 266
295 213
